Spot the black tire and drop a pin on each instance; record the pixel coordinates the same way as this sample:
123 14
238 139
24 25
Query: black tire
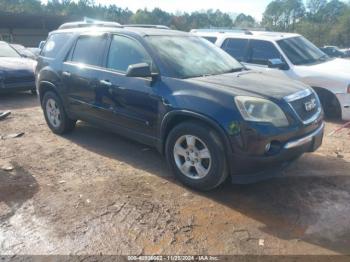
330 104
66 124
218 169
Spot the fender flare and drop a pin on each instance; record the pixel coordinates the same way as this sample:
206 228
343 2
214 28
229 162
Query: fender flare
47 83
187 113
315 88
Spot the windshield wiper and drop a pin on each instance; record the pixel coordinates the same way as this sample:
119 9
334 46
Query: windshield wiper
234 70
323 58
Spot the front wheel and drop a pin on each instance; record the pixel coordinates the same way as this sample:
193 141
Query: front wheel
196 155
55 115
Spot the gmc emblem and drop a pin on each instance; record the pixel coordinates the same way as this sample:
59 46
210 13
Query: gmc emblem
310 105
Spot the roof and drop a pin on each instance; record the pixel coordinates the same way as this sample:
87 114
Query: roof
261 35
142 31
84 24
147 26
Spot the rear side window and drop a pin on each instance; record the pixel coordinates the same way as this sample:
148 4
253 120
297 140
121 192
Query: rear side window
235 47
210 38
89 50
54 44
261 51
125 51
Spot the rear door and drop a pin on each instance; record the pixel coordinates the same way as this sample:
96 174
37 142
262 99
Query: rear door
82 74
236 47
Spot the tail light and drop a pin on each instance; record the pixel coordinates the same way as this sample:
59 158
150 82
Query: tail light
348 89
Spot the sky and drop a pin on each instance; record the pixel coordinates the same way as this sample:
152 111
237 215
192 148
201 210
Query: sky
254 8
251 7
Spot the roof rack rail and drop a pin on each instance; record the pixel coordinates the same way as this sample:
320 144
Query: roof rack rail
88 22
147 26
223 30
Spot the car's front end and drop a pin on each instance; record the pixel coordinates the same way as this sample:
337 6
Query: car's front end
16 72
331 79
262 148
265 122
277 122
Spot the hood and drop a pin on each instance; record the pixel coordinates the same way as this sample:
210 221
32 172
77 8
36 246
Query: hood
337 67
333 74
252 83
13 66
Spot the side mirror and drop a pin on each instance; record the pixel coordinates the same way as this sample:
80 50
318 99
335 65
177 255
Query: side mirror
139 70
277 63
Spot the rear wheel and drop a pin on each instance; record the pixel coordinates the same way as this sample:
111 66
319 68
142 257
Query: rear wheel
55 115
196 155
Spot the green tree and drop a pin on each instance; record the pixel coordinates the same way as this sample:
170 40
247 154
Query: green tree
315 6
244 21
273 15
283 14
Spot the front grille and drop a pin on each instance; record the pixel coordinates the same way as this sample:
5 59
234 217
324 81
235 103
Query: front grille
306 107
17 80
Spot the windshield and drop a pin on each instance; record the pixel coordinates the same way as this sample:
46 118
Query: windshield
187 57
300 51
7 51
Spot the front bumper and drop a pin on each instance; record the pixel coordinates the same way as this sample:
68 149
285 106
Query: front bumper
344 101
251 169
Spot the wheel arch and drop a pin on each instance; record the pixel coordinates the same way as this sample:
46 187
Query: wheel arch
325 93
45 86
174 118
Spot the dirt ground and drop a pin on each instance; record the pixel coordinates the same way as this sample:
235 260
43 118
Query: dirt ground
93 192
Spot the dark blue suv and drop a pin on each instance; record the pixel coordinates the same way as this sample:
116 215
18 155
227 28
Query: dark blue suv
210 116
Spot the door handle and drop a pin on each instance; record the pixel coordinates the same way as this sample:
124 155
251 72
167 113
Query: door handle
66 73
105 83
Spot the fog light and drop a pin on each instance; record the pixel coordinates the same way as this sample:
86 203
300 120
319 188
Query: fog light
267 147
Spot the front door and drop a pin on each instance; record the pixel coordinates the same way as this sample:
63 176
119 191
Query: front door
132 103
258 55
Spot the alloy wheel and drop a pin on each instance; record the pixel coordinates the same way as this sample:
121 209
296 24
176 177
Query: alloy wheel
192 157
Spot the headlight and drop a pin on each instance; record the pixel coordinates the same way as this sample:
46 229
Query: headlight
261 110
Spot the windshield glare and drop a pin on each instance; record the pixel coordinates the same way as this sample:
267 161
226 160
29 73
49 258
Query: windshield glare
300 51
187 56
7 51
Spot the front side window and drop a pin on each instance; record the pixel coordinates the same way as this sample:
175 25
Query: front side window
7 51
191 56
235 47
260 52
124 52
89 50
300 51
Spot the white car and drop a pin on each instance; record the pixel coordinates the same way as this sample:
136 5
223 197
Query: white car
293 56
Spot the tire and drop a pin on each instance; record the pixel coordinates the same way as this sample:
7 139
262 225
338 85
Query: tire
330 104
204 137
57 120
